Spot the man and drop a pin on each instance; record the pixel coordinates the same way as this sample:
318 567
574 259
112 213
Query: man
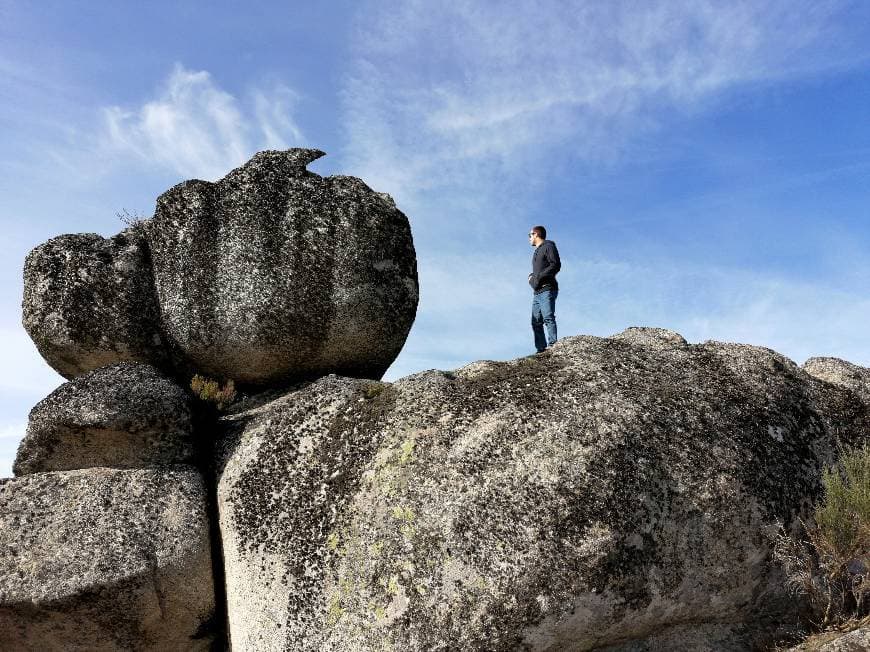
545 266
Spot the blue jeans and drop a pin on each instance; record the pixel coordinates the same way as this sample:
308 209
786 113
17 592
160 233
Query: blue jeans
544 312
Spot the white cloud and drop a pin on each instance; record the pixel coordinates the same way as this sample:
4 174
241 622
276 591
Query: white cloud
195 128
465 92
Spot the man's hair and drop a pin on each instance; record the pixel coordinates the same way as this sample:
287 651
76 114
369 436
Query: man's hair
541 231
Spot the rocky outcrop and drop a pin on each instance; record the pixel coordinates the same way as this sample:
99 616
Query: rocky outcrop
271 274
126 415
610 492
274 272
89 301
105 559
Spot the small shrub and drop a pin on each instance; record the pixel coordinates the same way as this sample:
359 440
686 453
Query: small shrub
830 562
210 391
130 219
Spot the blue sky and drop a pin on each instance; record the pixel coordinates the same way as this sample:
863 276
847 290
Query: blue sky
703 166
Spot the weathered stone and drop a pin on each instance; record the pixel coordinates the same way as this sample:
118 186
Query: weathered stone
605 493
842 373
274 272
105 559
89 302
126 415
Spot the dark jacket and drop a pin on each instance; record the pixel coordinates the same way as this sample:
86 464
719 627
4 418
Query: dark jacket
545 266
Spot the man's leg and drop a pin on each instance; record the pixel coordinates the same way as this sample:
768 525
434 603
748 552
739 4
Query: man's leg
538 324
547 303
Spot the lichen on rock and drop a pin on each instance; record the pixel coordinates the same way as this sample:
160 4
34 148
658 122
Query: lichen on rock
125 415
89 301
105 559
274 273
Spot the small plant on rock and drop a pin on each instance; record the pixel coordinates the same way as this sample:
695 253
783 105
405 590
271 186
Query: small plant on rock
130 219
830 563
211 391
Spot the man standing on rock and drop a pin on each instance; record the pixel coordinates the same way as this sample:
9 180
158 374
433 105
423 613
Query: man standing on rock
545 266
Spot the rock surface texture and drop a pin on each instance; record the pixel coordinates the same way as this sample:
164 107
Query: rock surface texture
89 301
612 493
105 559
857 640
274 272
126 415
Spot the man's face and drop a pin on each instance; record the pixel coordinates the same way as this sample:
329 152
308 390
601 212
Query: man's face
533 238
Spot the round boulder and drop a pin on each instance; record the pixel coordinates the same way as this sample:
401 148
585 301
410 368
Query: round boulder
126 415
276 273
89 301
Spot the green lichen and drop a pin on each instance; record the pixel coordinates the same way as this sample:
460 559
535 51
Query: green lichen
334 610
407 451
403 513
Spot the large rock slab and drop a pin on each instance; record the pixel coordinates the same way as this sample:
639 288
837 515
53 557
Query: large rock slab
89 301
126 415
105 559
610 492
274 272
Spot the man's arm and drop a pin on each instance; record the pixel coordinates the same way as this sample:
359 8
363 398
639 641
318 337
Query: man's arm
552 263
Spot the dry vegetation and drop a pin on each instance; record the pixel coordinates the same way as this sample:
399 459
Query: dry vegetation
828 561
211 391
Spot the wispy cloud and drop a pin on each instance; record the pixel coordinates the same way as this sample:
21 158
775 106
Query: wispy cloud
464 111
464 92
196 129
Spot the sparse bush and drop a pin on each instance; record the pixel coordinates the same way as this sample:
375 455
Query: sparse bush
829 561
210 391
130 219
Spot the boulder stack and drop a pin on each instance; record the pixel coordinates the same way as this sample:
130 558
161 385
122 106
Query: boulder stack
272 274
105 539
